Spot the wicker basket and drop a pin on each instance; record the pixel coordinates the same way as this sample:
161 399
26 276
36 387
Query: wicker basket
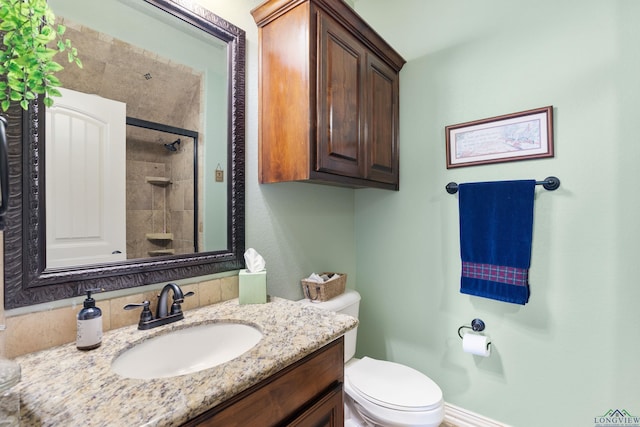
324 291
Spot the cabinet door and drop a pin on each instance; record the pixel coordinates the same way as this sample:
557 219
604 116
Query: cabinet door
340 100
327 412
292 393
382 121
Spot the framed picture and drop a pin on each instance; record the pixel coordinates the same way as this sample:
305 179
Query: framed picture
517 136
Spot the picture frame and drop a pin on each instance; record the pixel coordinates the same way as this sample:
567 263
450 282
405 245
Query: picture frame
517 136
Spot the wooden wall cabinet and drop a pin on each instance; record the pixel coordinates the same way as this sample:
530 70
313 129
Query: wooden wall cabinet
305 394
328 96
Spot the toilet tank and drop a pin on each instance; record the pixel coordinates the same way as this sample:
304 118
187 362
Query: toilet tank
346 303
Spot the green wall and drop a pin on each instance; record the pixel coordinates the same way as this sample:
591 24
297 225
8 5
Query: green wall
571 353
298 228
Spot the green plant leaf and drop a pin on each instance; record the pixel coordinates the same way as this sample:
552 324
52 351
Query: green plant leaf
52 81
53 67
45 53
30 41
7 25
53 92
16 85
35 78
7 37
47 31
14 67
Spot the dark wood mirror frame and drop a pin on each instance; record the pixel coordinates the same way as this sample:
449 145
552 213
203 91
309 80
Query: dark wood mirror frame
28 281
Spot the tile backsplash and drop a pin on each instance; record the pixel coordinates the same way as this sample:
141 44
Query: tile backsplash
27 333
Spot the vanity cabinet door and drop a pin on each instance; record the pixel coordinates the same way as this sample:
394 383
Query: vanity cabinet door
308 391
327 412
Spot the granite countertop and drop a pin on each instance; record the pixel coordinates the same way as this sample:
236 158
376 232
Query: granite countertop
63 386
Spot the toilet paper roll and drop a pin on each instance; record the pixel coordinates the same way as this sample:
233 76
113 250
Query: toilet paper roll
476 344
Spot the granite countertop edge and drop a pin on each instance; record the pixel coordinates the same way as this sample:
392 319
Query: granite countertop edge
66 386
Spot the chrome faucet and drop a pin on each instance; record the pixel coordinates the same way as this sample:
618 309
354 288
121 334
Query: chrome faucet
164 316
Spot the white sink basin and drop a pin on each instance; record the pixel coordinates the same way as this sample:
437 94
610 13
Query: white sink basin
186 350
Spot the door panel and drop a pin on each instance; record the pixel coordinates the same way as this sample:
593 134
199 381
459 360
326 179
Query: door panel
340 101
85 180
382 122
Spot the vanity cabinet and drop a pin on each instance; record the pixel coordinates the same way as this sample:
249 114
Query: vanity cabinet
328 96
305 394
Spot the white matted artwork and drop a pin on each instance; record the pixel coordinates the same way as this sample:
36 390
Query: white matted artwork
517 136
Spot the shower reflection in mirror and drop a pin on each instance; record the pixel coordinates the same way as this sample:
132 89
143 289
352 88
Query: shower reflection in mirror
118 188
162 202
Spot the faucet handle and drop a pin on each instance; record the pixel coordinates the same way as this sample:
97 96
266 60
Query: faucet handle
146 314
181 300
176 308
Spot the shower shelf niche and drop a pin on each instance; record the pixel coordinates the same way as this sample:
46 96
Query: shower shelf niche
158 180
159 252
159 236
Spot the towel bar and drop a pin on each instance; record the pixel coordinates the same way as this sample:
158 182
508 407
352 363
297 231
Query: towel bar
550 183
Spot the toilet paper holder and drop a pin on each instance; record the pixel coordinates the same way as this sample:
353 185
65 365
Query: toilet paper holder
477 325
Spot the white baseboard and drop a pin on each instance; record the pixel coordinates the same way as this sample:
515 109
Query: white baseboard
460 417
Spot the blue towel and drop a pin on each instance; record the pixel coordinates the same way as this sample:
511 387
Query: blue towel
496 227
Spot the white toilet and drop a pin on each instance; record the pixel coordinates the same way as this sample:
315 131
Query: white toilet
381 393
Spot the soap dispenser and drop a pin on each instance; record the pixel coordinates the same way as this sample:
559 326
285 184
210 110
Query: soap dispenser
89 324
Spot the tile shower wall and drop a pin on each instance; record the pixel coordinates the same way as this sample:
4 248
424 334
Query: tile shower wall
146 208
140 78
181 197
160 215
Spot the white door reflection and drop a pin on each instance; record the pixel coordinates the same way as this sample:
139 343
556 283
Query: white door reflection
85 178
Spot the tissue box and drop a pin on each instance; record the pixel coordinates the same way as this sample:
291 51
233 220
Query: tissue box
252 287
324 291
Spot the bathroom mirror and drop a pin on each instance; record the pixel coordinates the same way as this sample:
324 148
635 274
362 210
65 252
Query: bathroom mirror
29 279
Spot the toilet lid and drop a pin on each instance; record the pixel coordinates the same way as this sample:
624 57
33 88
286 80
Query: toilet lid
393 385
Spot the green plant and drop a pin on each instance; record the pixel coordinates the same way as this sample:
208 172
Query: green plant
27 61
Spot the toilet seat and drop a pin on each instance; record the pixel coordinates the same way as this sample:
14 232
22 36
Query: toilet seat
393 386
392 395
